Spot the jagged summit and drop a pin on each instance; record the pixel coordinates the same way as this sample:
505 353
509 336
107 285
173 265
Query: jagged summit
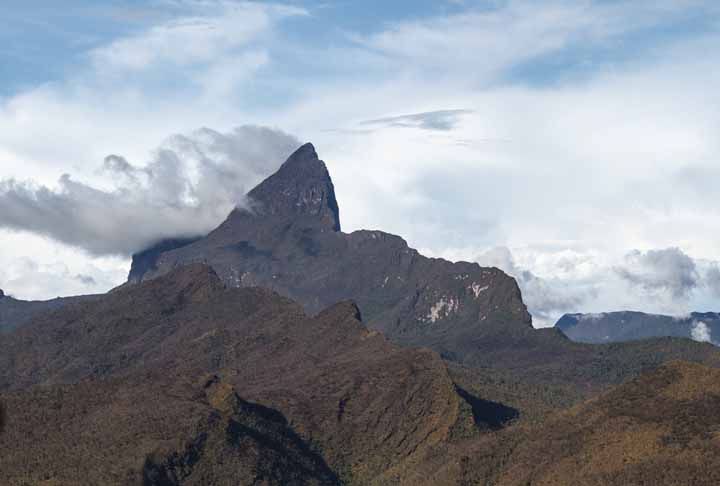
2 294
301 188
290 241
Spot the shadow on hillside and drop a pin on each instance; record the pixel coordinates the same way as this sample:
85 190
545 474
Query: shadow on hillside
251 432
488 414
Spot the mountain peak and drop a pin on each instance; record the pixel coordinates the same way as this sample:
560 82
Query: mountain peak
301 189
307 150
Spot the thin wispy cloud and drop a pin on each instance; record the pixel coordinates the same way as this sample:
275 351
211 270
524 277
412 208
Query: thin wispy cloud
442 120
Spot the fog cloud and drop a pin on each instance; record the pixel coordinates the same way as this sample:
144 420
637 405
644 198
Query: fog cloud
188 187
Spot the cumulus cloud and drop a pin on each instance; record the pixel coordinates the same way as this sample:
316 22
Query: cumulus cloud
189 186
668 270
442 120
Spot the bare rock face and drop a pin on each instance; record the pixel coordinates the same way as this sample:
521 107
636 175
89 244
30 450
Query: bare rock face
291 242
300 190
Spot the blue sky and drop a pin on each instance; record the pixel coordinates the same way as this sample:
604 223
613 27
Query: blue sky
568 142
43 43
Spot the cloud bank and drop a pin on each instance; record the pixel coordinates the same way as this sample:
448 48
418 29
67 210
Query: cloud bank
188 187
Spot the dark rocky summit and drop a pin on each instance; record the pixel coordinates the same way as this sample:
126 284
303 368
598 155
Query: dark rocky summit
627 326
290 241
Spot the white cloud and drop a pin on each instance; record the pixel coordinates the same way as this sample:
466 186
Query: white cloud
669 270
35 268
210 32
547 297
570 173
486 41
187 189
701 332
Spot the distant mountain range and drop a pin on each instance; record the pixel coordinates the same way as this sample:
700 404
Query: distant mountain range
14 312
278 350
611 327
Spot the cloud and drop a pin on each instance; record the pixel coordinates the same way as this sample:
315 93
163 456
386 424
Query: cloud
188 187
495 39
86 279
604 105
546 298
712 279
701 332
443 120
669 270
25 278
207 31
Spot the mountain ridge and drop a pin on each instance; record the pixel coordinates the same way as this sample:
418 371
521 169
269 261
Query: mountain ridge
364 404
631 325
470 315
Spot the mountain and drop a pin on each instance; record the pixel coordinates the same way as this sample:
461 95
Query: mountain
14 312
181 380
243 358
146 260
627 326
290 240
661 428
